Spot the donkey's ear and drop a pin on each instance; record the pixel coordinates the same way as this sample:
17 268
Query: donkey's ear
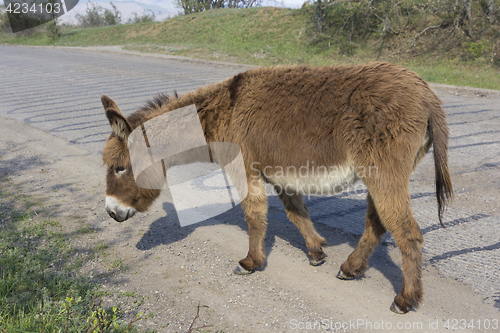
118 122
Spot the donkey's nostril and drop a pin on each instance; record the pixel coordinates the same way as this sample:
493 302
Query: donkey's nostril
112 214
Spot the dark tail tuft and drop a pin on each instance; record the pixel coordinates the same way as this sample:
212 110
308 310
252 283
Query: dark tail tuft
439 134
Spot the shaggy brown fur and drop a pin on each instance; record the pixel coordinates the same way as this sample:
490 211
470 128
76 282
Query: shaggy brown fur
377 115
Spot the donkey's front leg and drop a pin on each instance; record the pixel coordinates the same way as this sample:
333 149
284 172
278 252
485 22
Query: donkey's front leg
298 213
255 208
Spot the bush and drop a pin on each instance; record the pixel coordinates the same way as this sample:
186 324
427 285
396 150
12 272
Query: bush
196 6
96 16
145 17
495 56
4 20
459 29
348 23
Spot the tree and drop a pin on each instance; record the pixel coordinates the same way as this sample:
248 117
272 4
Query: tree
464 17
4 20
51 26
491 11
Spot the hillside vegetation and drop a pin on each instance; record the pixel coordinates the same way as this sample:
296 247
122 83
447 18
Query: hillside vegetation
439 47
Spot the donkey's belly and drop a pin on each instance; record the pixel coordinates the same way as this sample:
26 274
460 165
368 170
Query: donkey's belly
322 182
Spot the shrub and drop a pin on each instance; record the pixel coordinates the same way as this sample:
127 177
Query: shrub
4 20
96 16
145 17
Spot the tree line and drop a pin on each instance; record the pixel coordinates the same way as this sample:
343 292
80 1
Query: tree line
408 27
196 6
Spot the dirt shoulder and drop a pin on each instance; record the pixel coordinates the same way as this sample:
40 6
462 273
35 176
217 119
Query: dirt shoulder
466 91
151 264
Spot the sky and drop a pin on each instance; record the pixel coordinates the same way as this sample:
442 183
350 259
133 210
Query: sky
166 7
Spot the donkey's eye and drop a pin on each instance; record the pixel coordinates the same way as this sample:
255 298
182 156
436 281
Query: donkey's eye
119 169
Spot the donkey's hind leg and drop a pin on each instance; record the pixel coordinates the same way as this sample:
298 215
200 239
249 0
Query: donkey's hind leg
255 209
358 260
392 202
298 213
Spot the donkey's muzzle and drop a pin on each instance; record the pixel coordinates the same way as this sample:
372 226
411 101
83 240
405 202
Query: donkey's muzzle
118 212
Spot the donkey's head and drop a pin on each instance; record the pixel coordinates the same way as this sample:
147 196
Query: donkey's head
123 196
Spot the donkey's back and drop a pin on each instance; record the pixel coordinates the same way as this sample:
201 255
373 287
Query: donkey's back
331 114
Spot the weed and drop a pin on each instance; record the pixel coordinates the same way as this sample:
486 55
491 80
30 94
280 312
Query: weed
102 246
127 294
85 230
39 289
118 263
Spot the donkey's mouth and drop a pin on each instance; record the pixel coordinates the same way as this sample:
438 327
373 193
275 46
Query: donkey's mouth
118 212
123 216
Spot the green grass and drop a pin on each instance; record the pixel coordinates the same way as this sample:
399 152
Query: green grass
127 294
40 290
259 36
457 74
102 246
85 230
118 263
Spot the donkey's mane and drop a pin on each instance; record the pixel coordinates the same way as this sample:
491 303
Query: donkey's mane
162 103
150 107
157 102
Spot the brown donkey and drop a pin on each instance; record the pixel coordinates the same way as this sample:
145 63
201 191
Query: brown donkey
332 123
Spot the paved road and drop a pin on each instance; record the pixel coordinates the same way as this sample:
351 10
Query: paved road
58 90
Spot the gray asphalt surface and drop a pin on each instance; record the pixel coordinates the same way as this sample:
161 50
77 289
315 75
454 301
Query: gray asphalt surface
58 91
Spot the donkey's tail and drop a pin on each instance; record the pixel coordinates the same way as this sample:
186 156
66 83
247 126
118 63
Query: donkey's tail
438 131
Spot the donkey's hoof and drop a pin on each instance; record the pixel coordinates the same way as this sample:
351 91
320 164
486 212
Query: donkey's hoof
316 262
342 276
396 309
241 271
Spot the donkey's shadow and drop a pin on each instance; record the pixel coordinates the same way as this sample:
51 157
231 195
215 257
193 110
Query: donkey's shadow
167 230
